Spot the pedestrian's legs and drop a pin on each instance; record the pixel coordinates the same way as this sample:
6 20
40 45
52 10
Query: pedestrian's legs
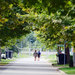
34 58
38 58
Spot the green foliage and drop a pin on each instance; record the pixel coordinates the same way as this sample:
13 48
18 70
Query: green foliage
31 38
54 28
11 26
14 49
53 20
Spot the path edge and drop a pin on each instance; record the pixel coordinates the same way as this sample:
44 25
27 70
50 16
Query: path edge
62 73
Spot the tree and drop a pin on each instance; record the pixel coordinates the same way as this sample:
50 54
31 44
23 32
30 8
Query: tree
10 25
55 28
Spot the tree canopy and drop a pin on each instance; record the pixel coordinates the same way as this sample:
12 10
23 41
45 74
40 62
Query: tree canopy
56 24
54 20
10 25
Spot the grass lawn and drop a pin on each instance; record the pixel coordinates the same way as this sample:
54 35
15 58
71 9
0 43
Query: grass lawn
6 61
68 70
52 58
64 68
22 55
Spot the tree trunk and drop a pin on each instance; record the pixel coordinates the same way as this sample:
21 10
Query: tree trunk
67 52
0 53
74 55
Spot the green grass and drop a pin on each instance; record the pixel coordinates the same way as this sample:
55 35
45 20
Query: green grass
22 55
52 58
6 61
61 66
64 68
15 56
68 70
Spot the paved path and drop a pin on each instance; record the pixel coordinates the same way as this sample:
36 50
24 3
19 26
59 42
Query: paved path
27 66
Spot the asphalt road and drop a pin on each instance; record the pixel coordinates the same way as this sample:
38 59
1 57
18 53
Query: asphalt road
27 66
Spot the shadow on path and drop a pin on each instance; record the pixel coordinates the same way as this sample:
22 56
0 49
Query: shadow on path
27 66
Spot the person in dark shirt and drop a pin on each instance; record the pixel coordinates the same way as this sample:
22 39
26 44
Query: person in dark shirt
39 54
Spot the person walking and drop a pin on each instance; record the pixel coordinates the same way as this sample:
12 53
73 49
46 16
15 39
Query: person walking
35 54
39 54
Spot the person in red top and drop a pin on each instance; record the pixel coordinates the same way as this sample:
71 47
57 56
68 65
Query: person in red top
35 54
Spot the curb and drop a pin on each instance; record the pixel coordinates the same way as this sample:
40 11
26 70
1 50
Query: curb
62 73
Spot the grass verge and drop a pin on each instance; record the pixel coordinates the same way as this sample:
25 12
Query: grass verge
6 61
65 68
68 70
22 55
15 56
52 58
